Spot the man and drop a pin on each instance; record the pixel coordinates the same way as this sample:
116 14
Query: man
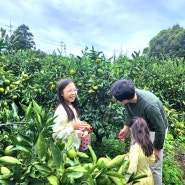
144 104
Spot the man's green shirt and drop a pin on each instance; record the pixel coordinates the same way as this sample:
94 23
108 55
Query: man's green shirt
151 109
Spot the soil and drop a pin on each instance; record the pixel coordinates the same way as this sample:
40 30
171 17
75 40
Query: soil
180 158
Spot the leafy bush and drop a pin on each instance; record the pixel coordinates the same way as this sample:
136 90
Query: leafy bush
172 174
111 146
26 76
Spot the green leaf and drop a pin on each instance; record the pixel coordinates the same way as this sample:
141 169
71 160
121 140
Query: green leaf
43 114
50 120
75 175
6 182
77 168
53 180
36 107
3 32
27 110
136 177
15 110
5 176
94 157
24 140
38 120
41 147
70 141
43 169
114 174
15 39
9 160
56 154
23 149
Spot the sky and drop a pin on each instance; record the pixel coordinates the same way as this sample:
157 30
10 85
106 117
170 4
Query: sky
112 26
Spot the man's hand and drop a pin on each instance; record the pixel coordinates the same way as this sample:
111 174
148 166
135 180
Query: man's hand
123 132
156 153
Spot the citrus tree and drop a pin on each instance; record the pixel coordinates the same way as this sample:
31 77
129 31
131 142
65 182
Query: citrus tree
32 156
93 77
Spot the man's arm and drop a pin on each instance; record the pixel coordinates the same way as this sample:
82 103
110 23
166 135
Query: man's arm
123 132
156 119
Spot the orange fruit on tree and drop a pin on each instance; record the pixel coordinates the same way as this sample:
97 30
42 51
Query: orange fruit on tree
25 76
71 153
79 84
98 60
8 151
4 170
6 81
15 97
12 86
95 87
1 90
90 91
53 86
72 72
100 71
35 90
182 125
102 161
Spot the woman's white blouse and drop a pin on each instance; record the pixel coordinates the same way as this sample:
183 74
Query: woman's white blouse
62 128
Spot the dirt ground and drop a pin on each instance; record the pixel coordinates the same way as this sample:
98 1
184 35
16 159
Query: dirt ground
181 160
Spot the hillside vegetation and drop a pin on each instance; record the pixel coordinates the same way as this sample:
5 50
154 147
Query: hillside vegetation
28 81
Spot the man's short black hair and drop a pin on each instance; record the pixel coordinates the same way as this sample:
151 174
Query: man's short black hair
123 90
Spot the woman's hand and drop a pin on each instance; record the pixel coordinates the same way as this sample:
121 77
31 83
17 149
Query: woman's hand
79 125
83 126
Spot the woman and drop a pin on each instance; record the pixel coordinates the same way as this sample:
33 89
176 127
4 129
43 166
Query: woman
67 121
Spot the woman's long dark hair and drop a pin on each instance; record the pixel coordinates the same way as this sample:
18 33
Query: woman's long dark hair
61 85
141 135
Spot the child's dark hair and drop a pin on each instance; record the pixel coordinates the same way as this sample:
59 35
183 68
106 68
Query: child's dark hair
61 85
141 135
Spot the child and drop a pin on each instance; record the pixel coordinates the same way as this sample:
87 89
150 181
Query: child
67 121
141 151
